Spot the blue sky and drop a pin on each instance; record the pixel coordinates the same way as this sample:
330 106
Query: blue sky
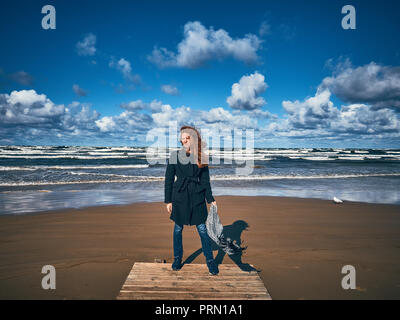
113 70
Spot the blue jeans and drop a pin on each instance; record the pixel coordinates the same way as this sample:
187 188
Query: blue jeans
205 241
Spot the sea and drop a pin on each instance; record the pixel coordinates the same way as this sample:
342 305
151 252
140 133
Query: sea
40 178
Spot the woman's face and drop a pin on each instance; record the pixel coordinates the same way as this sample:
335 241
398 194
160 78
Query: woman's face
186 140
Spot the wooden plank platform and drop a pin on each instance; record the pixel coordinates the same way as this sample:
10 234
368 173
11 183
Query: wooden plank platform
151 281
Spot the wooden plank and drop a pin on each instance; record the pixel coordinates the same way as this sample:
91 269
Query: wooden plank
158 281
188 272
189 296
187 269
198 278
186 265
196 289
189 284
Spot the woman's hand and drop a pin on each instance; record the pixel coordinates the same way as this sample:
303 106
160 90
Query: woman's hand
169 207
214 203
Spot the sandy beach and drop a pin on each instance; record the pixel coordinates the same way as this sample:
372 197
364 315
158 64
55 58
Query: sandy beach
299 246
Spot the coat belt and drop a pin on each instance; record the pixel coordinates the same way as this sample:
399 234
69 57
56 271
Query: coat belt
185 182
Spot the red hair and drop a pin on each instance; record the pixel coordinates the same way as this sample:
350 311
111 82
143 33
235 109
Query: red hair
193 132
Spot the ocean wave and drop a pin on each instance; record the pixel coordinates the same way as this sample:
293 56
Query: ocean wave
60 167
133 179
85 157
6 168
277 177
43 183
101 174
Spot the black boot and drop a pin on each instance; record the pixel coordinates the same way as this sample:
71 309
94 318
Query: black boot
177 264
212 267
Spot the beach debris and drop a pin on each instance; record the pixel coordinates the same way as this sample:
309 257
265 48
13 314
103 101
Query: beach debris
157 260
337 200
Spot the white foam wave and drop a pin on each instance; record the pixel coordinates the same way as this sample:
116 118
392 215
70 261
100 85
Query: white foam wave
64 157
43 183
4 168
33 168
101 174
276 177
131 179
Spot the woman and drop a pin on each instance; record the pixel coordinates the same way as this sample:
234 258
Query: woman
186 197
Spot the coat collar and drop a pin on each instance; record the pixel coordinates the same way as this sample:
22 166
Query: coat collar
186 163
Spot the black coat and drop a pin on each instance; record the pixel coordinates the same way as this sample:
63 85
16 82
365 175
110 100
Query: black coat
189 192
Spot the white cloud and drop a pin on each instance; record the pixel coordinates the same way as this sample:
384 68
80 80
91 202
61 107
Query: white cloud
373 84
106 124
153 106
28 107
25 97
26 113
317 117
169 89
133 105
314 112
231 121
245 94
257 113
200 45
167 113
362 119
124 66
86 47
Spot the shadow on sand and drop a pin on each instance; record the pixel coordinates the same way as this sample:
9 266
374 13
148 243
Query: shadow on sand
234 232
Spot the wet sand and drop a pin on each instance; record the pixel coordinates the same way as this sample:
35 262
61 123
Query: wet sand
299 246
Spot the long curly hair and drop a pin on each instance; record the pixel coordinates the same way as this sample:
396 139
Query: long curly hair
198 143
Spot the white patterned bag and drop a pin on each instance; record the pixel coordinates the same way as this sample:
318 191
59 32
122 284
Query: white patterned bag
215 229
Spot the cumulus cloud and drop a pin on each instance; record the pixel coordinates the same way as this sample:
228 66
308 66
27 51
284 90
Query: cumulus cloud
362 119
261 114
78 90
86 47
133 105
372 84
153 106
314 112
126 123
27 115
28 107
167 113
106 124
169 89
220 115
200 45
124 66
79 118
245 94
318 117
